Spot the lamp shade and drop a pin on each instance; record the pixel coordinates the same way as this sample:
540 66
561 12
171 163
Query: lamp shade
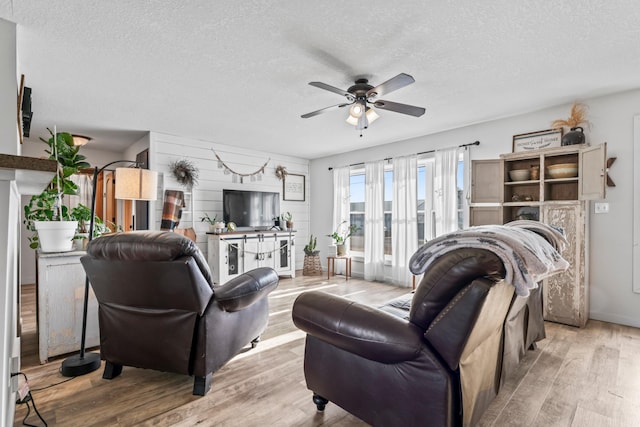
136 184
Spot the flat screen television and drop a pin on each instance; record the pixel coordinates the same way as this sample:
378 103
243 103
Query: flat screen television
255 210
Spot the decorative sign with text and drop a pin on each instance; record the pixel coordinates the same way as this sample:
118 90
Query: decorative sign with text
536 140
293 187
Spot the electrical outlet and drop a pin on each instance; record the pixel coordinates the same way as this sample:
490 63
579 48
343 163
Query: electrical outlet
15 367
601 207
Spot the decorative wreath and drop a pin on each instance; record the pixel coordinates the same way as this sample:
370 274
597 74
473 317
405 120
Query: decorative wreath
185 172
281 172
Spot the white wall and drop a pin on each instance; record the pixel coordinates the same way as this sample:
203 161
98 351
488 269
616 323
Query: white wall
611 298
9 344
212 180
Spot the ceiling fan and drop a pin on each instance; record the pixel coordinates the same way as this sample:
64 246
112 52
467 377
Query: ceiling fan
362 95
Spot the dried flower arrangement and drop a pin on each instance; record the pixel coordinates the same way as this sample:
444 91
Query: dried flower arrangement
281 172
577 117
185 172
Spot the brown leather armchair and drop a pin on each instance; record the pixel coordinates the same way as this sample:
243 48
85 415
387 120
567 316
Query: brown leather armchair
432 358
158 308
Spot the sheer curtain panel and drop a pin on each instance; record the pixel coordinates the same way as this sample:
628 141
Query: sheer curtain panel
446 190
374 221
341 195
404 214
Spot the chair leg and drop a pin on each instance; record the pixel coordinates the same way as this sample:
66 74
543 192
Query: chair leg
255 341
111 370
320 402
201 385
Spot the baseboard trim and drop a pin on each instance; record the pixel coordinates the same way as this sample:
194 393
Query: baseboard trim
614 318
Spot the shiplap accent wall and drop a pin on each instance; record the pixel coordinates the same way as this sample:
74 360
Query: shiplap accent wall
164 149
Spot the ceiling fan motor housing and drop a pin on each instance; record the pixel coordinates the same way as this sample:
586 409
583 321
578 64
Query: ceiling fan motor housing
360 89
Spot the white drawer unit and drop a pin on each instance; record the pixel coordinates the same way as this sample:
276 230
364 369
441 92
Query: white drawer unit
231 254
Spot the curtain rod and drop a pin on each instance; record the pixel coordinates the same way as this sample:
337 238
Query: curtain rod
417 154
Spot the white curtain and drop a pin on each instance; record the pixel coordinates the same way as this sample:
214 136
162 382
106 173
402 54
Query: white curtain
374 221
404 225
341 208
446 190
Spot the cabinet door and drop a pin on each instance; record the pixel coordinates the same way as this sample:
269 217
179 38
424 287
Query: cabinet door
252 254
485 215
232 261
593 179
486 181
565 295
268 253
61 287
283 255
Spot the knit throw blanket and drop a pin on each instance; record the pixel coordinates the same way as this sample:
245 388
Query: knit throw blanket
530 250
172 209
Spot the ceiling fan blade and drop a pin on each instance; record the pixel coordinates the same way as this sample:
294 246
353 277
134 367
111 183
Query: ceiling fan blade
394 83
331 88
411 110
323 110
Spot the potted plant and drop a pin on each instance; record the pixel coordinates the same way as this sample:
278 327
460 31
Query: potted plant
45 215
311 266
310 248
82 214
288 219
340 236
215 226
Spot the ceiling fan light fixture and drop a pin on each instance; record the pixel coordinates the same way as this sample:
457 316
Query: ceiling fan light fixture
80 140
372 115
356 110
353 121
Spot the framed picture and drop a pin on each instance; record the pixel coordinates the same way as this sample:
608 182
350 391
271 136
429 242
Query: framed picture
536 140
293 187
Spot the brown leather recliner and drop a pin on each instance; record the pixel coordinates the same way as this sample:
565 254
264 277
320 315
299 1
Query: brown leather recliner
433 358
158 308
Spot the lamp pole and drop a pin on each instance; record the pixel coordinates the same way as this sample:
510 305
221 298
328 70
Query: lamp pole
84 363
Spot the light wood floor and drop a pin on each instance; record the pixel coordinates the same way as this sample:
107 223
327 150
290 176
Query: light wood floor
577 377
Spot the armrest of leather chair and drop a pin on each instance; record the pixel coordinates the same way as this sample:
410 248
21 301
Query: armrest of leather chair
357 328
242 291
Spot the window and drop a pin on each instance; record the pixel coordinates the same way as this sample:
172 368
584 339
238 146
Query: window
426 218
426 226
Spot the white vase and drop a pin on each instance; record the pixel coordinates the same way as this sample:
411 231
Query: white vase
56 236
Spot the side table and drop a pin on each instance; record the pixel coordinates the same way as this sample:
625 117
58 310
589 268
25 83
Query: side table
331 266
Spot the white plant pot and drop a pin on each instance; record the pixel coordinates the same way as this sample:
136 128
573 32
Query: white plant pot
56 236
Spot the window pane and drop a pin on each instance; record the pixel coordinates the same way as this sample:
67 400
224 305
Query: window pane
421 202
460 184
388 201
357 239
357 211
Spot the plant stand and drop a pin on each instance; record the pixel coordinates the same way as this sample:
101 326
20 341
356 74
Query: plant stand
312 265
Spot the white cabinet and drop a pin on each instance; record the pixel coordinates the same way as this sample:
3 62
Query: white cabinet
231 254
561 201
60 302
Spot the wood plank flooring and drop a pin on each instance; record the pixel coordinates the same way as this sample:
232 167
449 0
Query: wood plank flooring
577 377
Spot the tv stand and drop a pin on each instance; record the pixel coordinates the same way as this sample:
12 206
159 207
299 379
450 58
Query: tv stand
234 253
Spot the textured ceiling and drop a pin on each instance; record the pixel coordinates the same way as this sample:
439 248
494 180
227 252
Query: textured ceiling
237 73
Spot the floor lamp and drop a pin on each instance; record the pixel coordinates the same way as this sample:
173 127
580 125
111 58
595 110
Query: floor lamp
132 183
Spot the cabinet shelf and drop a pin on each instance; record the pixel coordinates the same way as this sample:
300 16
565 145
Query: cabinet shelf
516 183
524 203
560 180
